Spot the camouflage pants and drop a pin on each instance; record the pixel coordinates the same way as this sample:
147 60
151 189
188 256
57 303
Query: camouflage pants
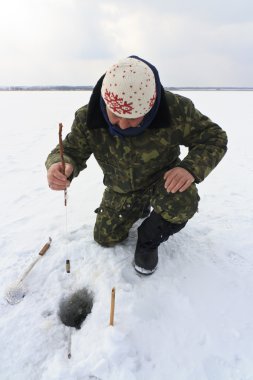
118 212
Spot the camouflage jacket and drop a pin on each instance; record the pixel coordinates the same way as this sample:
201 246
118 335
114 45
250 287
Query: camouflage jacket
134 163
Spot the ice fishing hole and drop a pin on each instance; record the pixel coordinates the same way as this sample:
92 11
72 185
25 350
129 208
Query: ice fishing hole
74 309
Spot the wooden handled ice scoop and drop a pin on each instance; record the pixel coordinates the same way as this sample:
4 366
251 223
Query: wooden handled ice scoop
17 291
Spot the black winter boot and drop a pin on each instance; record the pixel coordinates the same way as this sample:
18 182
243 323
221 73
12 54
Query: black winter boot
151 233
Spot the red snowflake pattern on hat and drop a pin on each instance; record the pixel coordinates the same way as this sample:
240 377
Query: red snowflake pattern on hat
152 101
117 104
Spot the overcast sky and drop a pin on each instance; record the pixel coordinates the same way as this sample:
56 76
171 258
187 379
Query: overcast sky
73 42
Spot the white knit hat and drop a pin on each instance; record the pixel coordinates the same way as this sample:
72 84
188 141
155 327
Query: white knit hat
129 88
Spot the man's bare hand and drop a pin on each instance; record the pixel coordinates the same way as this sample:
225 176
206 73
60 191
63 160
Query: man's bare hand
56 179
177 179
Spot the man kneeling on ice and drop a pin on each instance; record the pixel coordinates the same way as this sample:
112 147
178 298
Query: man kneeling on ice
134 129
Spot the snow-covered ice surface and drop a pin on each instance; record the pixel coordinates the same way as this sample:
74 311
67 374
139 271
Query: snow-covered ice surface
191 320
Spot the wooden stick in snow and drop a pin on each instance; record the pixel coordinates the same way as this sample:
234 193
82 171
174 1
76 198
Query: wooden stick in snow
112 307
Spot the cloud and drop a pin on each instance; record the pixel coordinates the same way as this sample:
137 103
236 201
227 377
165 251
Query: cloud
74 41
187 49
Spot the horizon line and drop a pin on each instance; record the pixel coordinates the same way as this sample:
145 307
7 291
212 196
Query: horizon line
90 88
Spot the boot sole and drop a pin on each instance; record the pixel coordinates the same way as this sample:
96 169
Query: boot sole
145 272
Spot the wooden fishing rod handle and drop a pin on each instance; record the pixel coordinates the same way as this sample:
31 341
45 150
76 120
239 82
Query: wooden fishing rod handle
62 159
45 248
61 148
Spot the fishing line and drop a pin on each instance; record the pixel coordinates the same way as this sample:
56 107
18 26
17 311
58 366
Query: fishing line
66 226
74 308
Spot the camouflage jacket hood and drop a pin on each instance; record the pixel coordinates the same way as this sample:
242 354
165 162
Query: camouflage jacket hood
134 163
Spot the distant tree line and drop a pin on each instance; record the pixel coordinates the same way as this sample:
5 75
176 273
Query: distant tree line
90 88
